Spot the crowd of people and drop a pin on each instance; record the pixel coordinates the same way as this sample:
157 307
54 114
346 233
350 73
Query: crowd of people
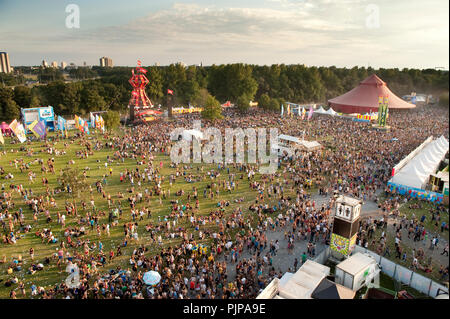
238 261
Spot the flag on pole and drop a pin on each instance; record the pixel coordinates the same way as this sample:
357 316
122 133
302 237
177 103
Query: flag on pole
61 123
139 62
169 92
80 124
101 123
282 110
303 113
39 129
310 114
2 140
31 127
77 123
18 130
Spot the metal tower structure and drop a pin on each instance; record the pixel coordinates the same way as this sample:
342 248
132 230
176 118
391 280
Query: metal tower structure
139 99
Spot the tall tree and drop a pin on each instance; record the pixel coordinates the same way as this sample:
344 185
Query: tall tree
112 120
8 107
22 96
212 109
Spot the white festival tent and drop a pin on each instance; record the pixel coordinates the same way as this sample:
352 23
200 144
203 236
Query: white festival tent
417 172
321 110
331 112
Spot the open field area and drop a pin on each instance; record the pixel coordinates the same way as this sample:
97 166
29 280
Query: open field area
96 170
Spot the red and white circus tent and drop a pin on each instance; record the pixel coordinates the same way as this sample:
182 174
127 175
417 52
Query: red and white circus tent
364 98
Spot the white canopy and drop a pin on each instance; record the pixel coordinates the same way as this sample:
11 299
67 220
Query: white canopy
321 110
417 172
331 112
289 138
304 281
311 145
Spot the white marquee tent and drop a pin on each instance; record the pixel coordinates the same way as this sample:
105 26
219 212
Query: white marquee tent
418 170
331 112
321 110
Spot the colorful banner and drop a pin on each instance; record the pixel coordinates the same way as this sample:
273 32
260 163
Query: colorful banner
382 110
61 123
415 193
31 126
340 244
19 130
101 123
39 129
310 114
352 243
364 117
181 110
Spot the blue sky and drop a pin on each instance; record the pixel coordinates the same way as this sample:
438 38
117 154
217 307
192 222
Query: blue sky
411 33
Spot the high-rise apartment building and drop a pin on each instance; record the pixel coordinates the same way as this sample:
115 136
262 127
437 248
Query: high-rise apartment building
106 62
5 67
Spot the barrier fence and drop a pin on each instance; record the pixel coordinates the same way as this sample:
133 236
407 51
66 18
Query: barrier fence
404 275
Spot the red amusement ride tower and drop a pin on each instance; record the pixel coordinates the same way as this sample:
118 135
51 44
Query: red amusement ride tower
139 99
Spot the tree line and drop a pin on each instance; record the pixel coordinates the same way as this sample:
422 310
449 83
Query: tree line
100 88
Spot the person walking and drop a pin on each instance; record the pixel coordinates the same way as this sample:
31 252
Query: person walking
445 250
387 252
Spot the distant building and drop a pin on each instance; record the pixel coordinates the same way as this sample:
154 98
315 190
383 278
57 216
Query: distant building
71 66
63 65
54 64
44 64
5 67
106 62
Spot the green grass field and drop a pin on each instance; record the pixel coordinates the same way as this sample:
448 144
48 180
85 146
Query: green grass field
51 275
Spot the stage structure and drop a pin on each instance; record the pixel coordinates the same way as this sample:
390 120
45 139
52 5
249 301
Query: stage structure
139 100
345 226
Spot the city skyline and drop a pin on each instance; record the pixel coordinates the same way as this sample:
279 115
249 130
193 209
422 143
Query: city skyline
314 33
